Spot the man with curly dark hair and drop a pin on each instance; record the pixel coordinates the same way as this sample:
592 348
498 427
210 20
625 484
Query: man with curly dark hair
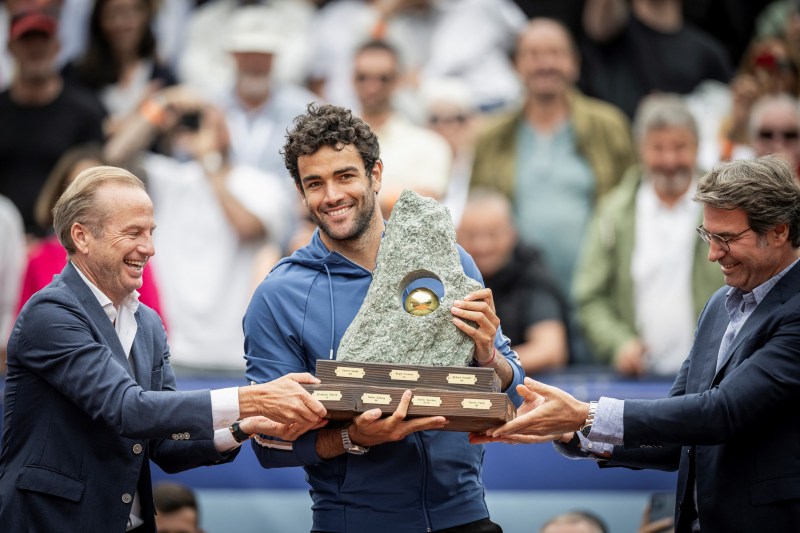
412 479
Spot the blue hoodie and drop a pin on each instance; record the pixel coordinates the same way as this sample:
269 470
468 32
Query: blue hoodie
428 481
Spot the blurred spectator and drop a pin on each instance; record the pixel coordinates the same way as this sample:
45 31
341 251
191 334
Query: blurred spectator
12 261
341 27
468 39
768 67
259 108
570 14
213 215
120 63
176 509
776 18
472 41
557 154
41 116
644 276
46 257
646 46
451 112
205 64
774 128
659 514
730 22
414 157
530 306
574 522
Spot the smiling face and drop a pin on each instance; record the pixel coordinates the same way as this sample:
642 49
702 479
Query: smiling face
669 155
114 258
545 59
339 195
752 260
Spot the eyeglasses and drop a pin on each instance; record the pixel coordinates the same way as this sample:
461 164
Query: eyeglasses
447 119
787 135
722 242
385 79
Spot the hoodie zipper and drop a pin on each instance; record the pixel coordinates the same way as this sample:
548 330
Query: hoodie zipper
423 454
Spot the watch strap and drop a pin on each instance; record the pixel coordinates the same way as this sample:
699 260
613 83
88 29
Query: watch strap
587 425
349 447
238 435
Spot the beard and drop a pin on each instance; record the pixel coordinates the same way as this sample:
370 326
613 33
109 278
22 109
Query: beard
674 184
361 222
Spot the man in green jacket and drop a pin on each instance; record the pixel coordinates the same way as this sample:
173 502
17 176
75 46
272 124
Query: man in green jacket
555 155
643 277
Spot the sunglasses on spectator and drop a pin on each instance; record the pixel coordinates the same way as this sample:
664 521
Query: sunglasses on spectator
447 119
787 135
383 78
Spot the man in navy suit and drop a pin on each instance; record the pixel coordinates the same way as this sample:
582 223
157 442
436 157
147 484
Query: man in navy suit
90 395
730 425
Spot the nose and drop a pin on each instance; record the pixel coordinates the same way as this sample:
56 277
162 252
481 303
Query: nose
146 245
715 251
332 193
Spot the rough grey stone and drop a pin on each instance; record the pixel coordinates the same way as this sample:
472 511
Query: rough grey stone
419 242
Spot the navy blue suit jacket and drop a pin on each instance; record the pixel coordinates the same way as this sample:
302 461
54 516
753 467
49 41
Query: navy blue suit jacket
79 428
741 422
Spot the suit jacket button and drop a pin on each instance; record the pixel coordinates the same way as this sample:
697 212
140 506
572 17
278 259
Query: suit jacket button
175 436
137 448
186 436
127 498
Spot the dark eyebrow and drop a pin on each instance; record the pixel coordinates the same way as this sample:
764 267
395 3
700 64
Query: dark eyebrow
345 170
336 172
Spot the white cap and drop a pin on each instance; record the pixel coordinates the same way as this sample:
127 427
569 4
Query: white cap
254 29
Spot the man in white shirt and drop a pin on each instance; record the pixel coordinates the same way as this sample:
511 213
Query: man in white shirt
417 158
643 278
90 394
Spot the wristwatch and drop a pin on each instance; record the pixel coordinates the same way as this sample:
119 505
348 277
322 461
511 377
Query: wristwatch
587 426
349 447
238 435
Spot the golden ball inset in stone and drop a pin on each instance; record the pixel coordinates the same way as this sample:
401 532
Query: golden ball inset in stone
421 302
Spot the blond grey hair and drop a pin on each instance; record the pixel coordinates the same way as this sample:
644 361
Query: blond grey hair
663 110
78 204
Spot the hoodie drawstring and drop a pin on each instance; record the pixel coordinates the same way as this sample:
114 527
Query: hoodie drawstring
333 318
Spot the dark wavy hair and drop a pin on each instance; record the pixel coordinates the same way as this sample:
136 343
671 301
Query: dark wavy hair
328 125
98 67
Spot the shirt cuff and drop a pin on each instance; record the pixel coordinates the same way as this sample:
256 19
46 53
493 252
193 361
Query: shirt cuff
591 447
608 422
224 408
224 441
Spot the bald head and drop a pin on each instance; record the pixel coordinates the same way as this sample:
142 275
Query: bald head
546 58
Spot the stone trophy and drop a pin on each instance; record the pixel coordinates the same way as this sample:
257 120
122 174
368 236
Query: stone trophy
403 336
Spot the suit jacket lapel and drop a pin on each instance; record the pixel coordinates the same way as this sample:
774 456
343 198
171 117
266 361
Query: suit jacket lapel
711 347
96 314
787 287
142 363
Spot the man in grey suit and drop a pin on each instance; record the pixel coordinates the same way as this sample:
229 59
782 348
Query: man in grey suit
730 426
90 395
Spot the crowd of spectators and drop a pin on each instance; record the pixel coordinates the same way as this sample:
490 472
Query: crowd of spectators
516 114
